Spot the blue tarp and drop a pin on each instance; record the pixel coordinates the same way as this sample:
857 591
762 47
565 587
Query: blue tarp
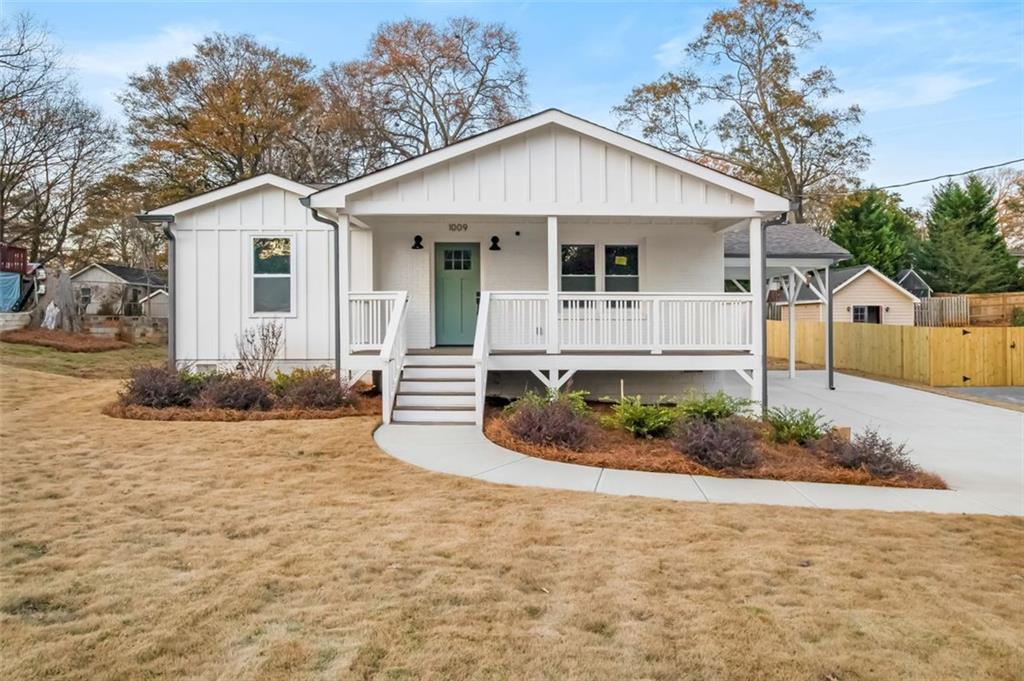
10 290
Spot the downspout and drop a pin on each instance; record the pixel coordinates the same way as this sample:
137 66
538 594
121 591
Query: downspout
337 285
764 321
165 222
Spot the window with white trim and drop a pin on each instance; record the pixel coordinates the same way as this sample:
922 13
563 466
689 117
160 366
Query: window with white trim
867 314
622 269
579 267
272 269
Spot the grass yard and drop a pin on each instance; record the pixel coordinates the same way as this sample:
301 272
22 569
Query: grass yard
298 550
109 364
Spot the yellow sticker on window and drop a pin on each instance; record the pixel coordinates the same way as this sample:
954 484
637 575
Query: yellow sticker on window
621 260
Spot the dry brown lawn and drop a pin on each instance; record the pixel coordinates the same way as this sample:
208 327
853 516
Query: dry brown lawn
298 550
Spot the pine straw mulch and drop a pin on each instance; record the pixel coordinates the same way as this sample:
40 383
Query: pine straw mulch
610 448
363 406
62 340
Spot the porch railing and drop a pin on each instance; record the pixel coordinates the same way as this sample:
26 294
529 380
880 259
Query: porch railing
608 322
369 316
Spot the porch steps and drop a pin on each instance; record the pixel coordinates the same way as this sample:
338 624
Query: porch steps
436 389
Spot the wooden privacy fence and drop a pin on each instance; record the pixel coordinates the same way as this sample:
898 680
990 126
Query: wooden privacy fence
935 356
993 308
944 311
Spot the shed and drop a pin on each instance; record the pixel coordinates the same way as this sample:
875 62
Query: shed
862 294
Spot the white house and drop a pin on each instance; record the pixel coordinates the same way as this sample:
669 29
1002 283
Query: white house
550 247
111 288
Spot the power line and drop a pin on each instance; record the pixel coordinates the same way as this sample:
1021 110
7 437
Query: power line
930 179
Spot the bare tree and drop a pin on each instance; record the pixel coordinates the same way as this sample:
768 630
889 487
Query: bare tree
422 87
258 347
777 129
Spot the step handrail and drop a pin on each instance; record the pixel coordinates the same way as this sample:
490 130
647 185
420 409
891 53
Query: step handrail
392 355
481 348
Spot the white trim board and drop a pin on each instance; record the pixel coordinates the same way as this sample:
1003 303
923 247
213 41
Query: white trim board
267 179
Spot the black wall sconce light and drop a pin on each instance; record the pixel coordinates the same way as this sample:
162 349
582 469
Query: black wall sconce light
417 243
494 244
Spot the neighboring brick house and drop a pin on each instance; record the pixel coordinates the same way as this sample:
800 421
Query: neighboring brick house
860 294
109 288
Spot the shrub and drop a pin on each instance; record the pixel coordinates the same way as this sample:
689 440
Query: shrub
313 389
641 420
1017 318
158 387
721 445
549 423
236 392
869 451
796 425
258 347
576 400
712 406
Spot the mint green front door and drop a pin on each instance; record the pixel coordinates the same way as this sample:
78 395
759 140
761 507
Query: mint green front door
456 287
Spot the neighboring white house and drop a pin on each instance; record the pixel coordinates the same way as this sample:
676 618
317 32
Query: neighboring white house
860 294
110 288
550 248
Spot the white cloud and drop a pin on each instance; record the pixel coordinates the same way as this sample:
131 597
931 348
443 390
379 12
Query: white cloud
103 68
670 53
904 92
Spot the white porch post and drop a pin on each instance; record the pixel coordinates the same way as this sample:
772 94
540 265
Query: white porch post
553 272
791 314
757 292
344 282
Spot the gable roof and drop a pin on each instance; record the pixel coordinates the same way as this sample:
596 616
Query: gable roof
334 196
780 241
911 277
129 275
239 187
842 277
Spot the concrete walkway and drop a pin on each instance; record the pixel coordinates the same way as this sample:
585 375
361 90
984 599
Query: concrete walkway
978 449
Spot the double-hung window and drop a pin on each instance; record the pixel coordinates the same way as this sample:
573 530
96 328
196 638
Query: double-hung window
578 267
272 269
622 269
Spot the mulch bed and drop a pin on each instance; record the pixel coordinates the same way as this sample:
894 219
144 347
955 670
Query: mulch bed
363 406
62 340
618 449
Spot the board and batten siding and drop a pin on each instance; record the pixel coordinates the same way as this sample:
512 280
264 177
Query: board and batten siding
549 168
213 277
673 257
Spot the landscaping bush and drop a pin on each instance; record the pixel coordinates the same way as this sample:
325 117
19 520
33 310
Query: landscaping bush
869 451
158 387
721 444
641 420
796 425
549 423
576 400
712 406
236 392
313 389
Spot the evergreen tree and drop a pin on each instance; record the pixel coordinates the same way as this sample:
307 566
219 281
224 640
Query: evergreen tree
965 252
876 229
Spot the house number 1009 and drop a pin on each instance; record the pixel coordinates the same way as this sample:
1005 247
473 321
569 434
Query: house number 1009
457 227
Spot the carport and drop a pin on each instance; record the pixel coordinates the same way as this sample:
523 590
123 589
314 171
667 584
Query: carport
795 256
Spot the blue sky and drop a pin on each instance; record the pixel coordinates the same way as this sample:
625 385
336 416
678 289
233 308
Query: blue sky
942 83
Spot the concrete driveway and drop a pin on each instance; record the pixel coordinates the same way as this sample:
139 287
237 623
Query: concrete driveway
978 449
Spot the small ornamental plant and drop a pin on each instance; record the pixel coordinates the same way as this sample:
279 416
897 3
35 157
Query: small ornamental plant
640 420
552 418
722 444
